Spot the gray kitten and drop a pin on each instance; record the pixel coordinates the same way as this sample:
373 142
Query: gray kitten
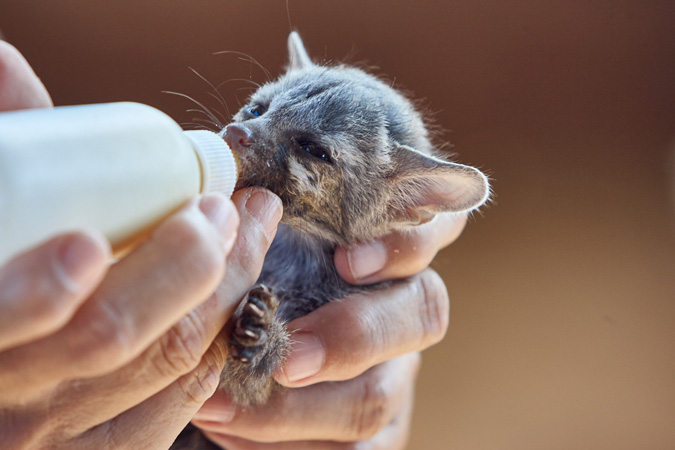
351 160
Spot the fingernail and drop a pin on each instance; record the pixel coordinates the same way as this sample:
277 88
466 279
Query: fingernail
266 207
306 358
223 215
216 412
367 259
78 260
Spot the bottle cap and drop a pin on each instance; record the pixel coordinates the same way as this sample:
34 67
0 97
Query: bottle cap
219 168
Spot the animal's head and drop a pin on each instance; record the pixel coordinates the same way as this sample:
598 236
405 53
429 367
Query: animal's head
349 156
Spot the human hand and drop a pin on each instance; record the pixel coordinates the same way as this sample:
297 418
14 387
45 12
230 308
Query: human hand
121 356
20 88
363 347
93 356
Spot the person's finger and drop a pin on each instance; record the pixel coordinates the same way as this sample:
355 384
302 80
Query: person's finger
178 351
91 401
20 88
236 443
393 437
263 210
400 254
366 329
42 288
156 422
141 297
346 411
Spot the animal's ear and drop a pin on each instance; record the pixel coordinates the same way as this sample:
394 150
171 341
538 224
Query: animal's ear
425 185
297 55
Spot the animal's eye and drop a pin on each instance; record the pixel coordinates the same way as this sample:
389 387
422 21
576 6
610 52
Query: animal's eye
315 150
256 110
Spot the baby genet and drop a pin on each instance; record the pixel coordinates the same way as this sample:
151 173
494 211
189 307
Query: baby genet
352 160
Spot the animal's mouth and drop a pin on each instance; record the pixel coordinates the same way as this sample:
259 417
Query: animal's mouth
255 167
248 170
242 155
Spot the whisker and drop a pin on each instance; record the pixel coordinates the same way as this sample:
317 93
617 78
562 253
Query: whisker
209 117
202 112
247 58
205 110
218 112
200 119
205 122
237 99
195 126
288 12
256 85
216 93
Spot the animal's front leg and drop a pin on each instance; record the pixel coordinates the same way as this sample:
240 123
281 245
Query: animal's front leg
258 345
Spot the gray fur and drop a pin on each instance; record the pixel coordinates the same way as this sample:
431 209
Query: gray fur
381 175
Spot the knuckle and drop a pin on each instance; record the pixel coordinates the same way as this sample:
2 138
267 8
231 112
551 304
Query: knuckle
434 307
51 312
43 304
199 249
103 338
365 326
372 408
109 436
180 349
54 300
35 290
199 385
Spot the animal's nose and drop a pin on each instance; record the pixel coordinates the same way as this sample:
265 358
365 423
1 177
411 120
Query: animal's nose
237 135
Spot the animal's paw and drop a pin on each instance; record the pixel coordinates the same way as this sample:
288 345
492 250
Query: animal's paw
251 330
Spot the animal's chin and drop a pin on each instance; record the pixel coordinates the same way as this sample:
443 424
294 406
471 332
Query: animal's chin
244 182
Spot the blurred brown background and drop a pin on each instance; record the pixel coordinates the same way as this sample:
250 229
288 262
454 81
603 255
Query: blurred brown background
563 291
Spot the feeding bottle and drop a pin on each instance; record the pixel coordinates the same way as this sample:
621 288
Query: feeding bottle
119 168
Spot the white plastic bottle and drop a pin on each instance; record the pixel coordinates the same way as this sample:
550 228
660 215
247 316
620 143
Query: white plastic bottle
119 168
